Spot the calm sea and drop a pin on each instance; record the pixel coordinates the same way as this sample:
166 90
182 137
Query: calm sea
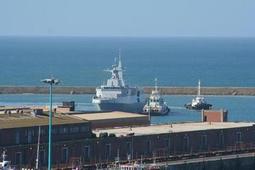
240 108
174 61
80 61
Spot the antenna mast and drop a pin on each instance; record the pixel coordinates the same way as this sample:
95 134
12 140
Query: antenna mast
120 70
156 84
198 92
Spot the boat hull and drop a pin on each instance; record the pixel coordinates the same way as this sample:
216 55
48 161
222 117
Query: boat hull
162 113
124 107
203 106
157 112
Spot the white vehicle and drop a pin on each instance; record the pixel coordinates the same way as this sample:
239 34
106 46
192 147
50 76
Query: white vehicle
5 165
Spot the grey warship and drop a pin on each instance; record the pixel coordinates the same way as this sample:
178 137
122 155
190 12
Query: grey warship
115 95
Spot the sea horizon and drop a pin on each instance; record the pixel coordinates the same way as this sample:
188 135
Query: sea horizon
175 61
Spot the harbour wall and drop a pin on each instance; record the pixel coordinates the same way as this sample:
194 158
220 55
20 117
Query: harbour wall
247 163
249 91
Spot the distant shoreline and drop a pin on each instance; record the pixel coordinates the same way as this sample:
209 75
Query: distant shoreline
247 91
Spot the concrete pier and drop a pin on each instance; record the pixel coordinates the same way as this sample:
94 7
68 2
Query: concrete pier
221 162
249 91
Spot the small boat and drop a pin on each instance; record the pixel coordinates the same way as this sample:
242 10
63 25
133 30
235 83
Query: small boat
155 104
199 102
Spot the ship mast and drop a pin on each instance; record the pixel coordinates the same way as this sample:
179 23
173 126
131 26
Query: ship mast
198 91
156 85
120 70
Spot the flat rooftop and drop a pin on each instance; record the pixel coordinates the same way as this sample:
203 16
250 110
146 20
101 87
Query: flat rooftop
108 115
173 128
27 120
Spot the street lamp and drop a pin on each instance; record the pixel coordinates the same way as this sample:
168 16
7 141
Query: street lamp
51 82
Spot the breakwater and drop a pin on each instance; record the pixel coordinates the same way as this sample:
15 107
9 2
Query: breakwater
250 91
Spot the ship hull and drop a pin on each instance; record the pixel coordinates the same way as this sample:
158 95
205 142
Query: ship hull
154 112
160 113
198 107
124 107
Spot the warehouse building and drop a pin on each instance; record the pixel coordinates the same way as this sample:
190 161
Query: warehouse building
75 143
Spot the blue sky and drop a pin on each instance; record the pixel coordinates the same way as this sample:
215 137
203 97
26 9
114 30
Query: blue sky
128 17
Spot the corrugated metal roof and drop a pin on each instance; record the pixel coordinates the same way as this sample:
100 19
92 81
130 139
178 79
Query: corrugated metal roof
173 128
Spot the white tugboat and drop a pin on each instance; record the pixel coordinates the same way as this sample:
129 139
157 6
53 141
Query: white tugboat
199 102
155 105
116 96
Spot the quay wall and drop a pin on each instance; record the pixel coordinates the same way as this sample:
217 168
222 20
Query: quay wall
250 91
247 163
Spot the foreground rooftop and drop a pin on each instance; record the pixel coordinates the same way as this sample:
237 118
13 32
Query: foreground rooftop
173 128
108 115
16 120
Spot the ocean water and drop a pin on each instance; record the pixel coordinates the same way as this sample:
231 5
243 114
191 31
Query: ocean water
80 61
240 108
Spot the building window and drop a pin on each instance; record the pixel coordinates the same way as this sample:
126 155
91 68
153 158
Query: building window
29 136
17 137
63 130
221 139
43 131
42 157
108 150
204 141
205 119
54 130
129 148
64 155
74 129
84 129
86 152
149 146
167 143
18 158
238 137
186 143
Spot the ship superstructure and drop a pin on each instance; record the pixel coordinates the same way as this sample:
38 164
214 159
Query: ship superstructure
115 95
